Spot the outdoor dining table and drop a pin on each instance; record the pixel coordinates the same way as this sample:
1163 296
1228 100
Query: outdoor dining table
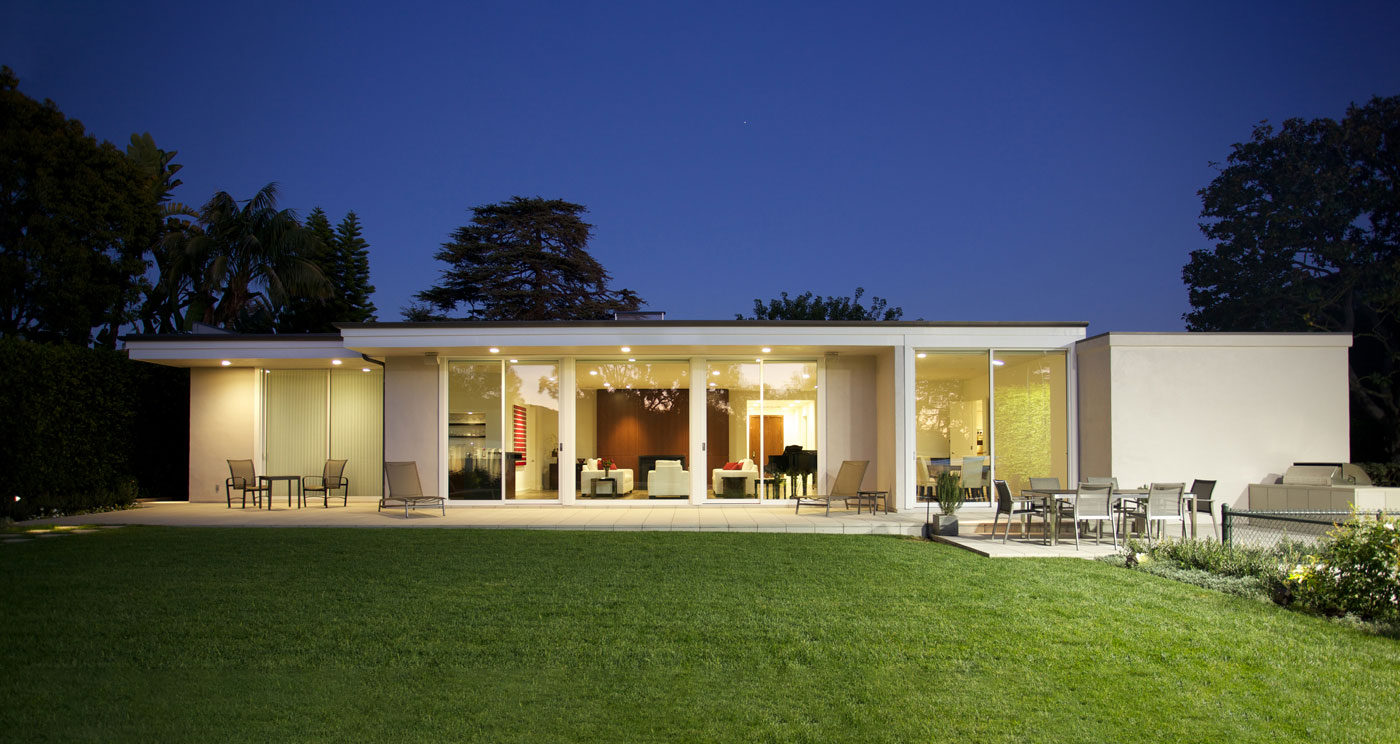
1051 499
293 484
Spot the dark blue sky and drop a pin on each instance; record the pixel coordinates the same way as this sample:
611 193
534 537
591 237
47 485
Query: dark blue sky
996 162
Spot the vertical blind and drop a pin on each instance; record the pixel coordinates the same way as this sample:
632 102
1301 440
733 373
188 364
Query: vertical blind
294 414
312 415
357 428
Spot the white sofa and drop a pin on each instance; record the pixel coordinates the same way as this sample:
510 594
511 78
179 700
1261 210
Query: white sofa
590 471
668 479
747 470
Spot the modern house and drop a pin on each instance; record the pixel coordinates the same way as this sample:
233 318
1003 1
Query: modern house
752 411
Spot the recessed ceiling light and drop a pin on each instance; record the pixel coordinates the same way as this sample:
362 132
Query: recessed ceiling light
513 361
494 350
765 350
364 369
921 355
607 384
756 359
593 372
225 363
997 362
631 359
626 349
806 376
335 361
715 373
267 371
713 384
629 387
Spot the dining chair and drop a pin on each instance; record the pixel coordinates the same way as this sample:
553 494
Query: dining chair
332 478
244 479
1164 505
972 478
1203 490
923 482
1006 504
1093 502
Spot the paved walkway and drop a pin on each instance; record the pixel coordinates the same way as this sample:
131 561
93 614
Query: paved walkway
976 521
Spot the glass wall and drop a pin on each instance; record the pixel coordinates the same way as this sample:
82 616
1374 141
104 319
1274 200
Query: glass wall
951 406
1029 412
761 422
311 415
475 454
532 421
632 435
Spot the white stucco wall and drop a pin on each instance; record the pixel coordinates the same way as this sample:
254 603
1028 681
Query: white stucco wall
223 427
852 429
1234 408
411 411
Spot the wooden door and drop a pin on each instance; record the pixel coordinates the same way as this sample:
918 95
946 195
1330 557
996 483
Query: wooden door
772 428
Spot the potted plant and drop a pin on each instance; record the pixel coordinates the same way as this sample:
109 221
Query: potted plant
948 492
607 465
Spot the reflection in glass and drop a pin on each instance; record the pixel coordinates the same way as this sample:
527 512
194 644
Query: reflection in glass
951 391
761 421
474 426
532 421
1031 424
635 416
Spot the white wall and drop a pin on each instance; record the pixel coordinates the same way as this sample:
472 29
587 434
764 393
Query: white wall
411 412
851 419
1234 408
223 426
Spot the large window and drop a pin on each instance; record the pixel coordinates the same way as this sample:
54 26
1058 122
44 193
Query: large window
761 421
633 429
951 407
311 415
502 430
1029 412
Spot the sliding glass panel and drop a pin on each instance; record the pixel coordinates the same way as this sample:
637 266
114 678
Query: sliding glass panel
357 427
733 391
789 422
633 421
294 414
532 422
1031 423
474 426
951 391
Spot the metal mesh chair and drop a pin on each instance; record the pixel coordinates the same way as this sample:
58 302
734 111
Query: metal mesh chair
405 489
1093 503
330 479
1204 491
243 478
973 478
847 486
1007 504
1164 505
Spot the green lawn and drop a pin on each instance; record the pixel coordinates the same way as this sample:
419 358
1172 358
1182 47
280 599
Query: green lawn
156 634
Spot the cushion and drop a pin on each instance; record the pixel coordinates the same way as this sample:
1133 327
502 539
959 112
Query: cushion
730 466
591 463
668 464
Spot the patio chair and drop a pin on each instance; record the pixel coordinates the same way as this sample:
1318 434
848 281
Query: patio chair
1164 505
331 478
1093 503
406 490
1007 504
1204 490
974 478
244 479
847 486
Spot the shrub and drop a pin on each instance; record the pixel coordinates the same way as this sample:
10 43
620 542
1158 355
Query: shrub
1382 473
1209 555
1355 572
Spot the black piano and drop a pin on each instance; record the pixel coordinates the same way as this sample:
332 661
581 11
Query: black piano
797 464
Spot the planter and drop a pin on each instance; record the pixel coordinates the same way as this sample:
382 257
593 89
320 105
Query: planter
947 525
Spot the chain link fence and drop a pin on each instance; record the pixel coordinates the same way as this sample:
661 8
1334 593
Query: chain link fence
1272 529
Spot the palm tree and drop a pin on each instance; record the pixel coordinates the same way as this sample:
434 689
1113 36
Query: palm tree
247 259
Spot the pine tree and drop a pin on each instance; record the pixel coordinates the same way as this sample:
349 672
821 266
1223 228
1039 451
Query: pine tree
307 314
351 268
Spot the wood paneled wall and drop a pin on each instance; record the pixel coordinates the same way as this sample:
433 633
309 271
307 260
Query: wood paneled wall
657 422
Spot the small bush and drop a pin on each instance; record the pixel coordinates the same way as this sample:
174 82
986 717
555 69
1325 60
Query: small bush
1382 473
1209 555
1355 572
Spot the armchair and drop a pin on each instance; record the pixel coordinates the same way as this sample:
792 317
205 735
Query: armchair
669 479
747 470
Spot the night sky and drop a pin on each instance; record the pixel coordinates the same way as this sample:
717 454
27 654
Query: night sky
965 161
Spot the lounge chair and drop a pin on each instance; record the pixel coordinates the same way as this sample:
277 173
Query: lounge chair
406 490
331 479
847 486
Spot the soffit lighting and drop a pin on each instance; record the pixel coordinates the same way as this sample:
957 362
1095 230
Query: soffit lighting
335 362
921 355
364 369
494 350
765 350
631 360
713 384
997 362
626 349
225 363
513 361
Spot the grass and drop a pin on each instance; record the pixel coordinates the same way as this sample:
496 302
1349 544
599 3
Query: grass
159 634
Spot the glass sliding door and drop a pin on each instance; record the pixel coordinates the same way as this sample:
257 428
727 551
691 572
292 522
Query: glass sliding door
1032 430
475 454
632 433
760 428
952 392
310 415
532 422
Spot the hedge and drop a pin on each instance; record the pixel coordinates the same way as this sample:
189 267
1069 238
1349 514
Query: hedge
88 429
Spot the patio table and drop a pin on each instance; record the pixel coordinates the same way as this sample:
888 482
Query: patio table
293 481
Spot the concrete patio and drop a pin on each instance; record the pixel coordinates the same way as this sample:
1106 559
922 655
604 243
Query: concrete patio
361 512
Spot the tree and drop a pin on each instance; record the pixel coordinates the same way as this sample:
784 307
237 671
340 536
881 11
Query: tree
523 259
250 259
351 272
806 306
1304 222
75 218
165 299
343 258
